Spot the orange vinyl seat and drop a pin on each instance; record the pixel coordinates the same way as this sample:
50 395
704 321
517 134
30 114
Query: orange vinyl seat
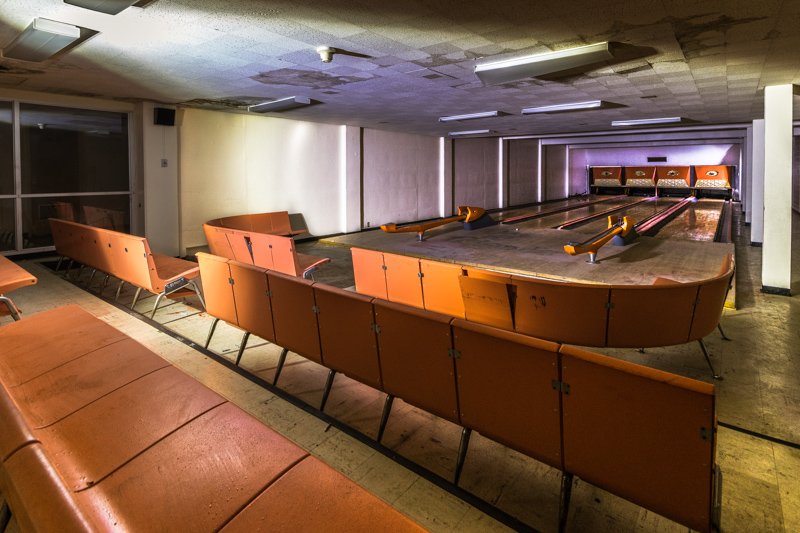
561 312
487 298
347 336
369 272
673 177
490 360
403 279
416 357
640 176
287 260
441 287
294 315
12 277
645 435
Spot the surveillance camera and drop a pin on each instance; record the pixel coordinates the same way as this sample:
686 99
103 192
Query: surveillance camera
326 53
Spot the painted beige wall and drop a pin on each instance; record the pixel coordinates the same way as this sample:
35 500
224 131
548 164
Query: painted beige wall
401 177
476 172
522 156
234 163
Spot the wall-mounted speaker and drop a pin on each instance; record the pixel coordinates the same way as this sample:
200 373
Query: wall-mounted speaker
163 116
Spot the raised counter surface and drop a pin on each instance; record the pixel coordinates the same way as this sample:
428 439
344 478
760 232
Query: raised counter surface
539 253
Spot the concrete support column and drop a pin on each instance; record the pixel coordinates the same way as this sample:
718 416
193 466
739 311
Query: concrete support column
757 185
159 173
746 185
776 265
352 179
448 192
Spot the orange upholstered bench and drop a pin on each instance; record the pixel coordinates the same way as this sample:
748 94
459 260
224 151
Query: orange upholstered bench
101 434
127 258
12 277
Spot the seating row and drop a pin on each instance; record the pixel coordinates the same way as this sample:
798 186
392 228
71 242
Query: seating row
645 435
127 258
665 313
261 240
705 176
12 277
101 434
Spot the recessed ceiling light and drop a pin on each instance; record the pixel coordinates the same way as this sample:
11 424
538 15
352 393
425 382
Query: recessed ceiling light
558 108
42 39
471 116
647 121
469 132
531 66
111 7
284 104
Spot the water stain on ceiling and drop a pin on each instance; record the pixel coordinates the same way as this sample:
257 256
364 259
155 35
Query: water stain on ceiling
307 78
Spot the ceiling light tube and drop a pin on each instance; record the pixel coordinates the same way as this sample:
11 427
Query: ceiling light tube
42 39
469 132
470 116
647 121
540 64
284 104
574 106
111 7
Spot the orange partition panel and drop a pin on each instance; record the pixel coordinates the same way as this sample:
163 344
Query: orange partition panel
337 504
134 268
416 358
486 301
403 280
217 288
347 334
253 303
195 479
368 270
640 176
642 434
646 316
441 288
607 176
673 176
262 251
561 312
526 416
712 176
710 302
217 242
294 313
284 258
238 241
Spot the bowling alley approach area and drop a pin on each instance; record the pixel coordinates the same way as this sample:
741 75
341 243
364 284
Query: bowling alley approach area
375 267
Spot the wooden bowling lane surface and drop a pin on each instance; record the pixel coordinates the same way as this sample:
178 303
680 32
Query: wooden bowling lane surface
539 252
698 222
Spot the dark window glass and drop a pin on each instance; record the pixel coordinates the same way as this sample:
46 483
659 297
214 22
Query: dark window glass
72 150
111 212
6 150
7 224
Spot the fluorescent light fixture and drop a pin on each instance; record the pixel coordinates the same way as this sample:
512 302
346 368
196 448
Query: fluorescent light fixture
469 132
574 106
541 64
41 40
111 7
284 104
470 116
647 121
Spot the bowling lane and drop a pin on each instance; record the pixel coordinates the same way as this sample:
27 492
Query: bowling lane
547 206
698 222
556 219
637 213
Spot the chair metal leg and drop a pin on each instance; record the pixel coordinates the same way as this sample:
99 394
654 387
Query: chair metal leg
155 305
80 272
466 433
136 297
281 361
563 505
721 332
211 332
641 350
69 266
119 289
708 359
197 292
387 408
58 265
5 516
242 346
91 277
104 285
327 391
11 307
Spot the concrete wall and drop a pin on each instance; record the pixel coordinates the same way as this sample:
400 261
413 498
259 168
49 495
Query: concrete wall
161 218
522 159
796 175
235 163
476 172
556 172
401 177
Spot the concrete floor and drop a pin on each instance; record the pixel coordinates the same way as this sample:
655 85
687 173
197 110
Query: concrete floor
760 394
